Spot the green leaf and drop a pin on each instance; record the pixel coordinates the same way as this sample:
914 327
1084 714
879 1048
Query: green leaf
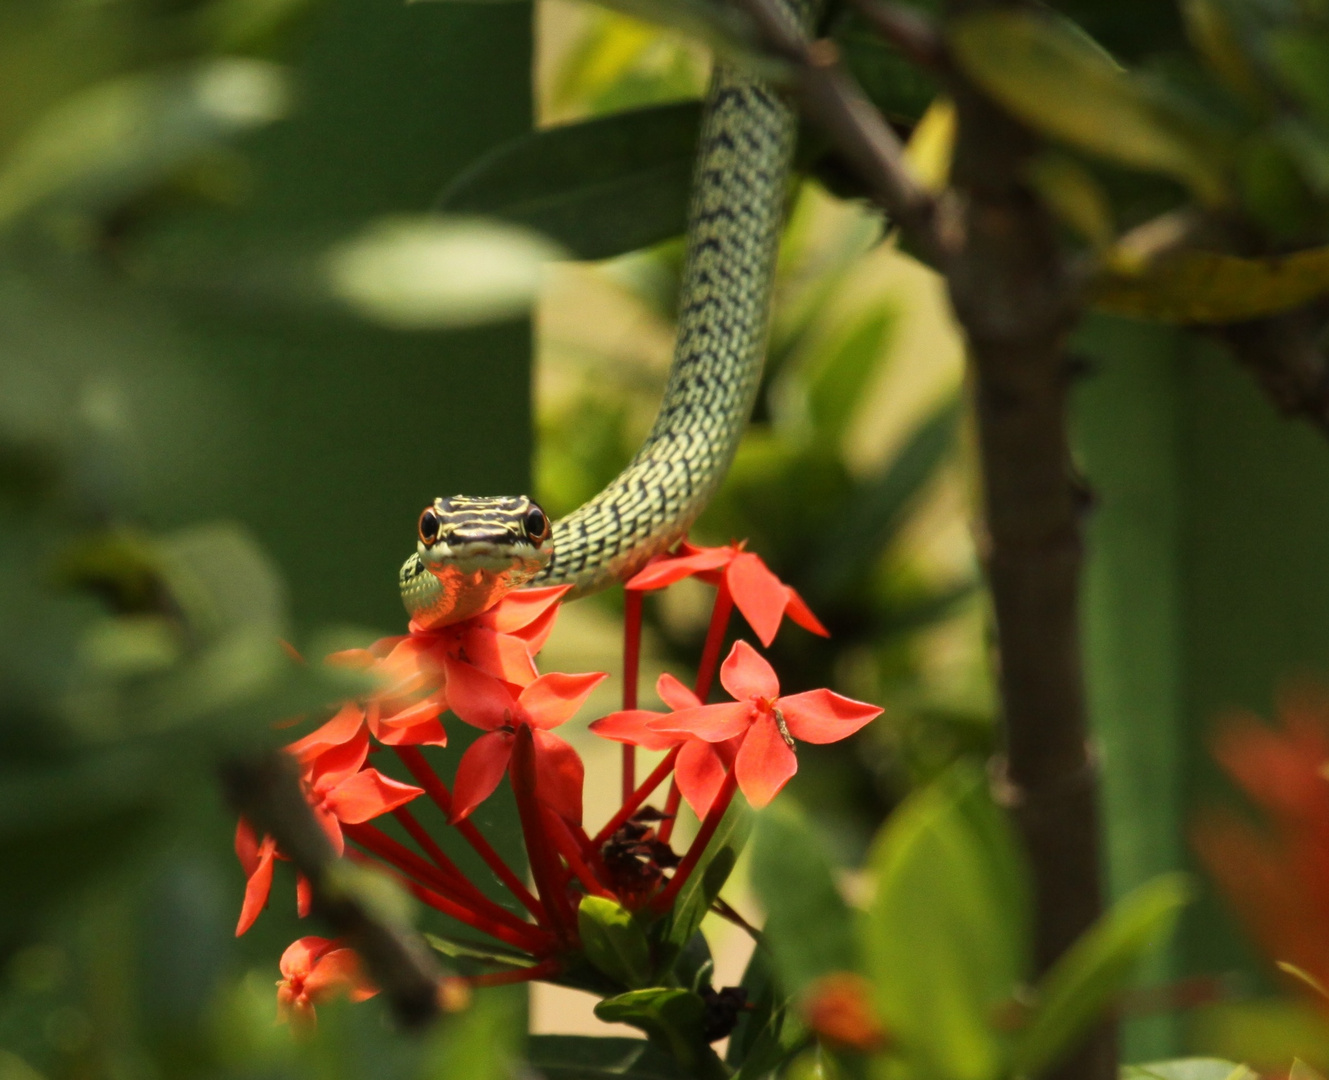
947 935
672 1017
1264 1031
837 383
486 954
708 877
107 142
808 929
583 1057
428 272
879 504
1301 1071
1096 969
1207 287
1197 1068
600 188
1052 76
1300 58
613 941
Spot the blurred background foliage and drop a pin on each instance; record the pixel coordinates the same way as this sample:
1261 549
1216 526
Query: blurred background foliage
236 359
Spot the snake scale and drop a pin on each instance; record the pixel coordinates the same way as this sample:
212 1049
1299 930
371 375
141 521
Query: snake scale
471 551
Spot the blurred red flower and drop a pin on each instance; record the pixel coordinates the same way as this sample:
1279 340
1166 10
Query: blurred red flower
315 969
1276 875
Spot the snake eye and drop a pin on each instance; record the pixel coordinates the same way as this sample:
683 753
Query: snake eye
537 526
429 527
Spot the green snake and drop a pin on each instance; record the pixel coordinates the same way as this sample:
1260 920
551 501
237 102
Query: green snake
471 551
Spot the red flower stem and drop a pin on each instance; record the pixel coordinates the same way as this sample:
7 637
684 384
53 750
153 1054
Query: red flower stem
460 886
723 798
557 830
637 798
409 863
427 844
672 802
462 913
545 867
710 653
545 969
631 667
438 791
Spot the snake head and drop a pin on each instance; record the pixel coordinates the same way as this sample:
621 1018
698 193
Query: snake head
470 552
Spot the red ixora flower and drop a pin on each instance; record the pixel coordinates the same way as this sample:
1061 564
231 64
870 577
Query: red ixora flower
762 597
766 723
1277 876
700 767
314 969
484 702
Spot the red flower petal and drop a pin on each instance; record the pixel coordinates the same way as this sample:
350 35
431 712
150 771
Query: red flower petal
367 795
746 674
300 956
479 772
674 694
519 611
699 772
553 698
632 727
304 896
247 847
336 763
797 610
764 763
820 716
667 571
714 723
338 970
258 888
342 728
758 594
558 776
477 698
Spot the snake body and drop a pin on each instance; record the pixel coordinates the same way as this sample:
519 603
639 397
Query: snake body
733 231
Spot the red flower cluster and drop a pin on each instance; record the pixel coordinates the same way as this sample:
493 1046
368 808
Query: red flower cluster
483 670
1277 876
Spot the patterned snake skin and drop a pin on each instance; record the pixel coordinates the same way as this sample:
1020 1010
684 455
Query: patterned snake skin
739 188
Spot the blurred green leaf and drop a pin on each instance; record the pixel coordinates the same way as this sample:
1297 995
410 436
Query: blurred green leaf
1097 969
1056 79
1206 287
946 939
583 1057
614 941
464 950
809 929
837 383
428 272
1301 58
113 139
600 188
717 862
1074 196
878 505
1196 1068
1210 27
1301 1071
1265 1033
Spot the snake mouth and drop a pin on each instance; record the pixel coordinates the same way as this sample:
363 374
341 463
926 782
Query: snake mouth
491 556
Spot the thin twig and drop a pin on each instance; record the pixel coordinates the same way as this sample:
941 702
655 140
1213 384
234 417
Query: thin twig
265 788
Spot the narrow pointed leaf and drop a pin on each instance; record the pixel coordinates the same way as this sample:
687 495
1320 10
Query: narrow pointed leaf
1097 969
601 187
585 1057
708 876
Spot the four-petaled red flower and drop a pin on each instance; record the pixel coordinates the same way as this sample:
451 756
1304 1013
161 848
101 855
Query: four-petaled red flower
1277 877
313 970
762 597
766 723
484 702
701 766
339 788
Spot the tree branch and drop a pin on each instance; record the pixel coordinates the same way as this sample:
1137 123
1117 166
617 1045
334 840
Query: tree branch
1284 354
266 790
